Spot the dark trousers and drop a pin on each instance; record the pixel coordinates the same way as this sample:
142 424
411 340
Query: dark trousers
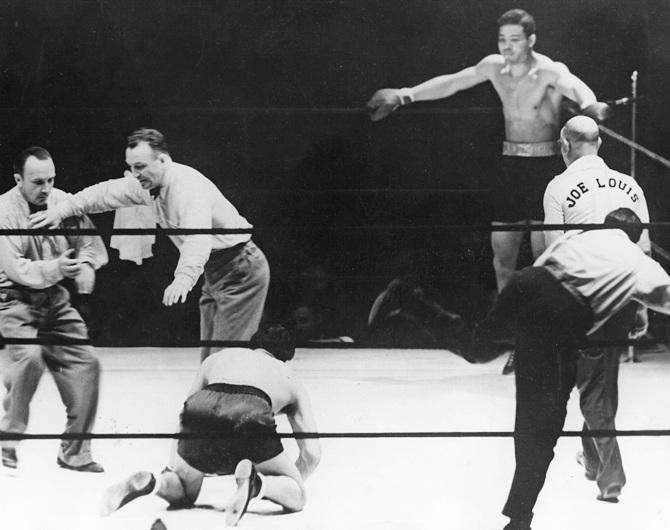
597 381
549 326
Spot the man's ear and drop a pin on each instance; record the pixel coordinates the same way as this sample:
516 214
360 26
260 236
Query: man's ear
18 178
532 40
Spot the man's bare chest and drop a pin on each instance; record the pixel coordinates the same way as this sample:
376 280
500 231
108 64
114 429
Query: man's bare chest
528 91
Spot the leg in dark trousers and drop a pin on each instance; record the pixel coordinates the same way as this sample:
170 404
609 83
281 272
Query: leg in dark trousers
549 324
544 379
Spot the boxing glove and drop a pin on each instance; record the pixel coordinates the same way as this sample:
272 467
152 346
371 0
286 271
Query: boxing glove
385 101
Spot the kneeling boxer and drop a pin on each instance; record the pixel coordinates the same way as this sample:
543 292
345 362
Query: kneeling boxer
230 426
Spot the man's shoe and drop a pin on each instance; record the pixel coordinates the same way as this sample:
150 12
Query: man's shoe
611 494
91 467
136 485
9 458
158 525
509 365
588 473
245 477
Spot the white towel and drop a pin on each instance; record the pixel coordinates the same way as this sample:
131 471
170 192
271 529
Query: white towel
134 247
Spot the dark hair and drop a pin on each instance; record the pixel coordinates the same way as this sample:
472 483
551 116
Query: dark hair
20 161
154 138
276 339
518 17
628 221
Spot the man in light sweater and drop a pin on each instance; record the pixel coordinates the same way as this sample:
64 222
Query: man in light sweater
34 305
236 273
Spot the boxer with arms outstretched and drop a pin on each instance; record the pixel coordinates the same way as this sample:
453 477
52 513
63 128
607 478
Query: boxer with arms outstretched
531 87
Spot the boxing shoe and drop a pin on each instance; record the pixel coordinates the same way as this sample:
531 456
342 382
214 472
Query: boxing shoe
611 494
509 365
158 525
91 467
9 458
120 494
590 474
248 486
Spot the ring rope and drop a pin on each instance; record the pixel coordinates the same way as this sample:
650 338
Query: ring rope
634 145
316 345
217 435
660 251
517 227
344 435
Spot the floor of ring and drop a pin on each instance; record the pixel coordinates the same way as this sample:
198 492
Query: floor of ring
396 484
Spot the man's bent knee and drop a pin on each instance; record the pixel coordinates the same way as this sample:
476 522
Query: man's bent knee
173 490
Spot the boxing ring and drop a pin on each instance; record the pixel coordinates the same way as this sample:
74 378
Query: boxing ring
424 479
412 439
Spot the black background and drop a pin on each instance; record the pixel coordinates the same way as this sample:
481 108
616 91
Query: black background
265 98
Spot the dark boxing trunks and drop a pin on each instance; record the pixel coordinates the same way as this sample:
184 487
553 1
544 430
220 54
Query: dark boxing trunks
236 422
518 189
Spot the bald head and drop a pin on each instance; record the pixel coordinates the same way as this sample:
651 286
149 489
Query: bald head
579 137
581 129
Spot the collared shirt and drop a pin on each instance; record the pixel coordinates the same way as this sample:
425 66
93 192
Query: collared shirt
605 269
187 199
32 260
587 191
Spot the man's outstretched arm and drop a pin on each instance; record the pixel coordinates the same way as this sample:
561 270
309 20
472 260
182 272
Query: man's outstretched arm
386 100
102 197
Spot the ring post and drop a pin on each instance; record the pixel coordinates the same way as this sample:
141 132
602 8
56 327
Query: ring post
633 137
633 119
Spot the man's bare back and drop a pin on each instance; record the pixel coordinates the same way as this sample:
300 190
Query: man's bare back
243 366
